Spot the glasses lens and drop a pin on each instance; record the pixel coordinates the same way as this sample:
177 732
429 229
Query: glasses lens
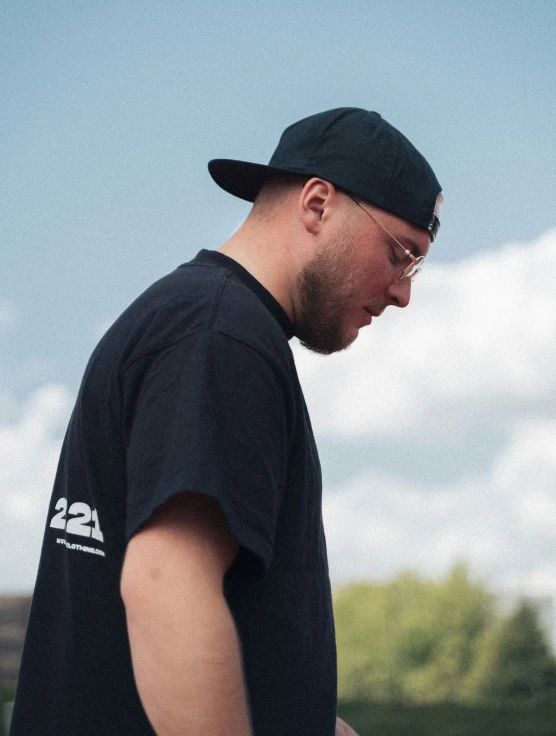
413 269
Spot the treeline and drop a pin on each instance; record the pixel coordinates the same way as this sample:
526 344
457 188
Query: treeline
417 641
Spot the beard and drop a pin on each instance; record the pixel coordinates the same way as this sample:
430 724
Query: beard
324 288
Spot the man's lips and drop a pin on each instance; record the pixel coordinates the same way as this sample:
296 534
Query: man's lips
373 312
368 316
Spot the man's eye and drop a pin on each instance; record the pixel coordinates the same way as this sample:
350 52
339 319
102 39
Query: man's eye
395 257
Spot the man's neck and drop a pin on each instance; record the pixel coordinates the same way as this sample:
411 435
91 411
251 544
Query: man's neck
267 260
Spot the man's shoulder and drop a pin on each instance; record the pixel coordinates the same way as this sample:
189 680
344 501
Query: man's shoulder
213 297
194 298
233 307
174 306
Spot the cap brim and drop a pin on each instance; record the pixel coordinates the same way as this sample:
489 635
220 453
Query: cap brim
242 178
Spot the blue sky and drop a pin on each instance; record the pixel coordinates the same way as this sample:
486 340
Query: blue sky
110 112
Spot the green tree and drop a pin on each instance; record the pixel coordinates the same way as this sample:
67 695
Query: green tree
364 643
514 660
451 616
409 639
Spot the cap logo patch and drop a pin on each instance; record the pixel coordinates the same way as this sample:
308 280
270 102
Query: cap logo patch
434 223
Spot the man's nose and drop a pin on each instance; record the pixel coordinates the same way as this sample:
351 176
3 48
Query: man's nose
399 292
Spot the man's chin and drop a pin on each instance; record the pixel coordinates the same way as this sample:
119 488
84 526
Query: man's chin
329 344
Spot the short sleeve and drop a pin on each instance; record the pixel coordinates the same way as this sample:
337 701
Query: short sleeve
209 414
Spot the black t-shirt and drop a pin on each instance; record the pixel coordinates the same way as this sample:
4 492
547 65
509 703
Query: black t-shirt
194 387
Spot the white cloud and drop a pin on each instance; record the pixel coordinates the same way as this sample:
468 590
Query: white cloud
502 523
473 355
29 450
479 339
531 456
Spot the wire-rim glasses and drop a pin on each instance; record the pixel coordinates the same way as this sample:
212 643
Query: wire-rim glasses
416 263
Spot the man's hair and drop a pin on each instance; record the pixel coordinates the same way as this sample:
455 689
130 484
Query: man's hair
273 192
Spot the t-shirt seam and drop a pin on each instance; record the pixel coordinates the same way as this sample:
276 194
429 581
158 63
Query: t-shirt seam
198 330
230 272
215 296
217 284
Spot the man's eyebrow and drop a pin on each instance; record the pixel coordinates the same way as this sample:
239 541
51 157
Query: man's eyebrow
411 245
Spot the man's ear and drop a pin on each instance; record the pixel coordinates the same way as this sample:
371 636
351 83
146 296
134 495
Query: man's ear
314 200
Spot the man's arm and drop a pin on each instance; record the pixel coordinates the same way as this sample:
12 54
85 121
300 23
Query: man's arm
184 646
342 728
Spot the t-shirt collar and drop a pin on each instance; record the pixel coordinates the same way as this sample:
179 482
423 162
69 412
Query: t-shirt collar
273 306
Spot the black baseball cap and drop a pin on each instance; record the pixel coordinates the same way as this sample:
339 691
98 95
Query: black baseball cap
354 149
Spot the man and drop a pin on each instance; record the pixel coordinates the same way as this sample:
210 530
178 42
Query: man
183 586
